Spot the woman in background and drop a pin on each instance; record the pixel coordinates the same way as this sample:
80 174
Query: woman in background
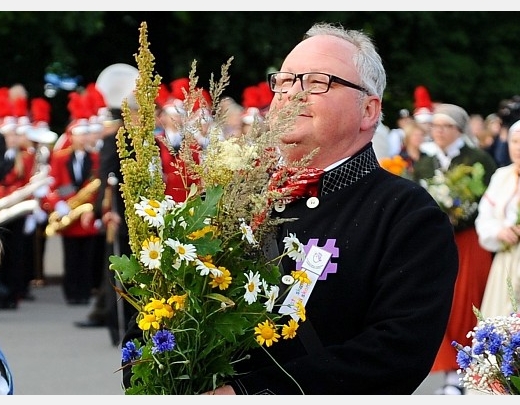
498 228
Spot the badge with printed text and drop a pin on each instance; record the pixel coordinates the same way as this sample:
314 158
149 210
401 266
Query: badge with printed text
314 264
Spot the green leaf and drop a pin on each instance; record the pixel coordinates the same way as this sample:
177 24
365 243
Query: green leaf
221 298
127 267
515 382
207 245
203 208
230 325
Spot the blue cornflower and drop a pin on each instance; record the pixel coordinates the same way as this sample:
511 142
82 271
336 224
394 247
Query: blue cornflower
479 348
163 341
457 202
489 339
463 356
495 343
130 352
484 332
515 339
507 367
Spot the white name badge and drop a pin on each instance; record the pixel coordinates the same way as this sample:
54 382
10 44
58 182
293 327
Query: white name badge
314 264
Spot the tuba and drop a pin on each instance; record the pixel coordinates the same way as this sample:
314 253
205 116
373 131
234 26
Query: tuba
78 204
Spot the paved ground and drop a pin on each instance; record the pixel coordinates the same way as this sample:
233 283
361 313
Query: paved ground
47 354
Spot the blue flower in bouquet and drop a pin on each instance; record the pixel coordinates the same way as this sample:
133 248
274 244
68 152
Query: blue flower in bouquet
130 352
492 364
163 341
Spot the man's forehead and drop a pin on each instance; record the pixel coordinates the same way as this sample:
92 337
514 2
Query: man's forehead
319 53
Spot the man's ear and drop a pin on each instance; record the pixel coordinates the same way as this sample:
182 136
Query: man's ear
371 112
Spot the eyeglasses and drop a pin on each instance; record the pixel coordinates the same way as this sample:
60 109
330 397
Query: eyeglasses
314 82
443 127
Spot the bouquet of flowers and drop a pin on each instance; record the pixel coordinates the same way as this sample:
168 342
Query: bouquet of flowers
492 364
457 191
204 289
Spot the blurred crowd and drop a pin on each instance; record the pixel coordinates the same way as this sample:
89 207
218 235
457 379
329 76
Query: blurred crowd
50 180
442 143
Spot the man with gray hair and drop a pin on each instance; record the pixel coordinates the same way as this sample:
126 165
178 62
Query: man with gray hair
379 308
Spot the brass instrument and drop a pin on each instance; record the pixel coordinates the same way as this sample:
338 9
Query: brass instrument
17 203
116 82
20 209
39 179
78 204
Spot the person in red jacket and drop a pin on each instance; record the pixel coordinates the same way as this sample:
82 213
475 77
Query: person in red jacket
175 176
76 184
14 271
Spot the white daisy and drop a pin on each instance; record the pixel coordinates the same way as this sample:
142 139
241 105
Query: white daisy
150 210
294 248
252 287
247 233
151 253
272 296
168 203
206 267
186 252
182 222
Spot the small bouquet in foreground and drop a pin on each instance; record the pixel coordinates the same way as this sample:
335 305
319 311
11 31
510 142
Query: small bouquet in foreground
457 191
203 288
492 364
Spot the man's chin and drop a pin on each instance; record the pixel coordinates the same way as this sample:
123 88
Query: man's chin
292 152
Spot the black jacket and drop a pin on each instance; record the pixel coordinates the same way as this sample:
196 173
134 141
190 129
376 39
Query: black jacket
381 311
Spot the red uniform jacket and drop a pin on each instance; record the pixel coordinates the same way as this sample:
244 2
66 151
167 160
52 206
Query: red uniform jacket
18 176
175 175
64 187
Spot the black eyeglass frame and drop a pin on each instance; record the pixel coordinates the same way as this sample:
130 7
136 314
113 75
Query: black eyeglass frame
332 78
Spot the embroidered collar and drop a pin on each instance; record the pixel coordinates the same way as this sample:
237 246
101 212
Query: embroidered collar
351 171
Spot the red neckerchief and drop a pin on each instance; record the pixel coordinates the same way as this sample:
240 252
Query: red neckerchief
291 183
299 182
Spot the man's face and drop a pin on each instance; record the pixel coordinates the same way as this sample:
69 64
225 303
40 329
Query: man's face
334 121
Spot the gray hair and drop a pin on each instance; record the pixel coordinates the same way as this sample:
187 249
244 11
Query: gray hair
367 60
514 128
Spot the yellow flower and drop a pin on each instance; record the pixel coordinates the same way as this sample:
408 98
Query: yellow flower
289 330
202 232
148 321
159 308
223 281
177 301
266 333
301 276
300 310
